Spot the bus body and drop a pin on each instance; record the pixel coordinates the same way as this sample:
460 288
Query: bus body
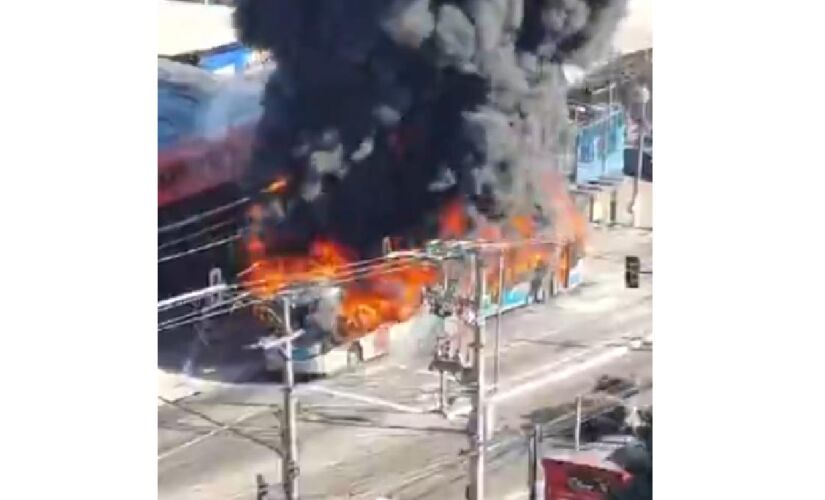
318 354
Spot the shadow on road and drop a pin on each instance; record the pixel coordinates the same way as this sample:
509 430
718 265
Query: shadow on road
218 353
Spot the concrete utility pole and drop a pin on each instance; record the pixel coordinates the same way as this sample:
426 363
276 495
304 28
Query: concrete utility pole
289 435
476 424
578 429
534 459
496 359
442 379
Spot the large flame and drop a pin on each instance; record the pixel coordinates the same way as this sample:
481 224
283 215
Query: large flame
383 292
533 247
389 290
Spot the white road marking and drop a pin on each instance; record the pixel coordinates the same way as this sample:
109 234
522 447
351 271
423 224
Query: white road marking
211 433
599 360
365 399
517 495
374 369
602 358
543 368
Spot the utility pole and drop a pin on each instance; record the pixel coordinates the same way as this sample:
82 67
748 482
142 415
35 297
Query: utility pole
476 424
534 459
578 429
642 96
442 379
442 305
496 359
290 444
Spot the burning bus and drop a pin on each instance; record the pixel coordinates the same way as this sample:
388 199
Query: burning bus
383 116
353 312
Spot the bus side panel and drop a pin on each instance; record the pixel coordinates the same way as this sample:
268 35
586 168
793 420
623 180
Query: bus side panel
335 360
576 275
514 297
372 343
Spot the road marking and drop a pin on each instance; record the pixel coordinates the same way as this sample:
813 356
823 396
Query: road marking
517 495
211 433
365 399
599 360
374 369
553 376
543 368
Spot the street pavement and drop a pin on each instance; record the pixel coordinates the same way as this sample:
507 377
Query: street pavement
375 431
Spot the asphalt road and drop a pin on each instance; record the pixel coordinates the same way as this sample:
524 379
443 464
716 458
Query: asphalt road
375 432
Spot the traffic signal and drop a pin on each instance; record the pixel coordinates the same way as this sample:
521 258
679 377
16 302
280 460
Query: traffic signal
632 269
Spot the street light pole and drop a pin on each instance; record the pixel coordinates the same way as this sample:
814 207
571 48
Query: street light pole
290 444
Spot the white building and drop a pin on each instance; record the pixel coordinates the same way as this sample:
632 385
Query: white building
189 26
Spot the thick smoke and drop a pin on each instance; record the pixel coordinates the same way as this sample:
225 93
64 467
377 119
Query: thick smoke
383 110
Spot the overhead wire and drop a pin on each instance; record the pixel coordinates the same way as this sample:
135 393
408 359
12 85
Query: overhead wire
226 310
205 309
201 248
204 215
232 304
200 232
341 274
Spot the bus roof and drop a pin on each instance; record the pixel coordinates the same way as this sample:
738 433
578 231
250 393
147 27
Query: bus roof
188 26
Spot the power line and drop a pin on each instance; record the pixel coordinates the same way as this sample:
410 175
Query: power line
226 310
208 308
189 297
199 249
342 274
197 233
203 215
233 305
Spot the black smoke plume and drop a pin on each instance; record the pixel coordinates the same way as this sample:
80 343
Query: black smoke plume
380 111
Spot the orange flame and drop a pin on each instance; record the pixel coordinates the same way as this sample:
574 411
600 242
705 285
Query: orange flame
452 222
277 186
373 296
391 291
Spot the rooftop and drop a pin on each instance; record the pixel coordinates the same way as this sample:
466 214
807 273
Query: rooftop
188 26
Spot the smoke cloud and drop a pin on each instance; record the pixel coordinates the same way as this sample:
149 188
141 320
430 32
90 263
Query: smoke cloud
381 111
